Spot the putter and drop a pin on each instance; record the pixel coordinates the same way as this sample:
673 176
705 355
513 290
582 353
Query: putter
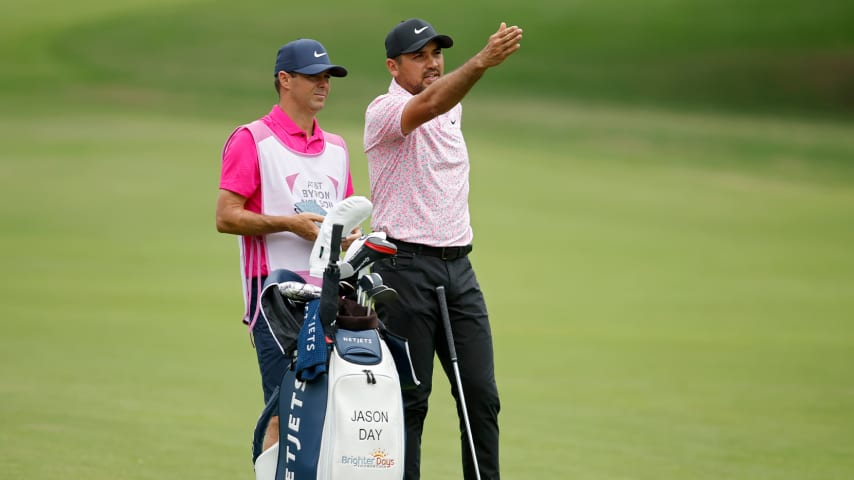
446 320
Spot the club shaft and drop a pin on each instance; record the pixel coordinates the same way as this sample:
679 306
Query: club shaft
446 322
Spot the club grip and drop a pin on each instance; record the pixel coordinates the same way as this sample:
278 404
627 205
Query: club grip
331 276
446 321
335 243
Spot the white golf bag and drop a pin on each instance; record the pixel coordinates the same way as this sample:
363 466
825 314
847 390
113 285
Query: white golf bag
347 424
339 404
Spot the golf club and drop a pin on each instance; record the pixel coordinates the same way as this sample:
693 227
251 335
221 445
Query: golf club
346 289
371 249
366 283
446 320
382 294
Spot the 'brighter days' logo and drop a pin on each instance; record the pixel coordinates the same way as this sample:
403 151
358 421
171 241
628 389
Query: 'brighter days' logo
377 459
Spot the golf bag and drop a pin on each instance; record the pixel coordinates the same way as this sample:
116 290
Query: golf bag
339 403
346 424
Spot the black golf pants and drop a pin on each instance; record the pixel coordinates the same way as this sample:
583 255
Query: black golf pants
416 316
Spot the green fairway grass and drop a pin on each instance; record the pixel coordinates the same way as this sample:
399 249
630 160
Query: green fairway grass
663 204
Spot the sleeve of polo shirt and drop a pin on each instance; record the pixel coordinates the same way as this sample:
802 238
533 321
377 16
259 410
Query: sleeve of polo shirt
382 120
240 172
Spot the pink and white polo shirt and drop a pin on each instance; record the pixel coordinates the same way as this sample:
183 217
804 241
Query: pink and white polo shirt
419 181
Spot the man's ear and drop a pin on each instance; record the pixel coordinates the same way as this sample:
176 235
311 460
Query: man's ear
392 66
284 79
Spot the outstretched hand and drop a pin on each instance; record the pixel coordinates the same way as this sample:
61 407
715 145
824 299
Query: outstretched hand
501 45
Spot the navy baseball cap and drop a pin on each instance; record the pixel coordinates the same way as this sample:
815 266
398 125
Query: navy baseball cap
410 35
308 57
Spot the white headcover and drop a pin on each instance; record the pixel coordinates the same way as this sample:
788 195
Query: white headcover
349 212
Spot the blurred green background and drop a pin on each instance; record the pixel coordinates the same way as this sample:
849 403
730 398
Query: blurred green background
662 202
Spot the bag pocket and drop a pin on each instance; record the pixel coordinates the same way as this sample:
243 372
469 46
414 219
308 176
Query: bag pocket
399 348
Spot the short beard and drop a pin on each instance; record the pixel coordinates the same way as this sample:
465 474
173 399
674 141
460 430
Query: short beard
414 88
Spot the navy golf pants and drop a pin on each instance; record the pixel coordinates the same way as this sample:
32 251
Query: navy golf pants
272 363
416 316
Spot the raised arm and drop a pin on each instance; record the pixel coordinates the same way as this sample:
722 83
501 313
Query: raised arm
448 90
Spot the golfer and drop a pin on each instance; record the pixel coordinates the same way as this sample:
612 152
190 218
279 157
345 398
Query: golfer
270 165
419 174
